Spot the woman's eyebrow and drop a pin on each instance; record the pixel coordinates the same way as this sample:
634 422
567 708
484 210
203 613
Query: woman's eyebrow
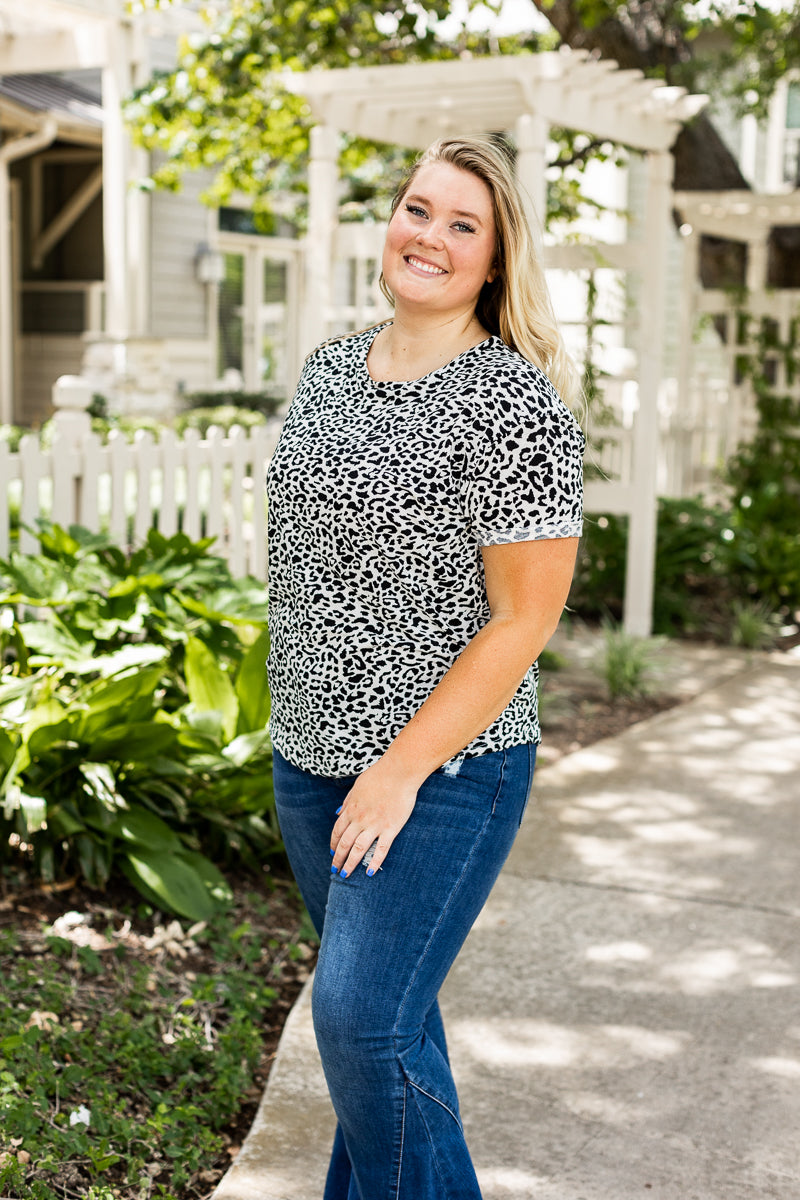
457 212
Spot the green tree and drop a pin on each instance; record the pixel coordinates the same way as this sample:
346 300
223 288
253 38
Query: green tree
734 51
223 107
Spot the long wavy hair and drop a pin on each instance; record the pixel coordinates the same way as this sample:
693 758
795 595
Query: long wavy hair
516 305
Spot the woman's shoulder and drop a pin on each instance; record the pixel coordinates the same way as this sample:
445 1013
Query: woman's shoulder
507 383
343 348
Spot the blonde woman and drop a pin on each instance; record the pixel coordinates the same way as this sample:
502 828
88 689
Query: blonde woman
424 512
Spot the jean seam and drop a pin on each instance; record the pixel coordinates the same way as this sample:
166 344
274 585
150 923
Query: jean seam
436 1100
402 1140
435 929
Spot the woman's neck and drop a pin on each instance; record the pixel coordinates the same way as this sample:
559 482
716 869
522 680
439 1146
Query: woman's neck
409 349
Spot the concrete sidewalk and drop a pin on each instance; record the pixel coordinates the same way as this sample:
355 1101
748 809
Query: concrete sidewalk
624 1019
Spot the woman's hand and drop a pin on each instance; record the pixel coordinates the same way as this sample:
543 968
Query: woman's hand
375 809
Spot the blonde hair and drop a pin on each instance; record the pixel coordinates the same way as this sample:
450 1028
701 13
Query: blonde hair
516 305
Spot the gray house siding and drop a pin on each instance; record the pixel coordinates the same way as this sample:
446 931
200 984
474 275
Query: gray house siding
179 223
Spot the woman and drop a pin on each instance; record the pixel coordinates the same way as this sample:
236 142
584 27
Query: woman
424 511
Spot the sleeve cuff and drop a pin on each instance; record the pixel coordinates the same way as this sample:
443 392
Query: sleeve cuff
537 533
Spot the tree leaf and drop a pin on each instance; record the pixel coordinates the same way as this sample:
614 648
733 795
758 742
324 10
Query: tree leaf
135 655
62 821
34 811
216 883
7 750
135 741
53 642
247 747
100 783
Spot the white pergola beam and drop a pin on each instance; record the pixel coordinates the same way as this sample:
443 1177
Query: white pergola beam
412 103
81 47
61 12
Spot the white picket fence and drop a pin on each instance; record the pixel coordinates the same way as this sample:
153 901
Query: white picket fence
214 486
697 434
204 487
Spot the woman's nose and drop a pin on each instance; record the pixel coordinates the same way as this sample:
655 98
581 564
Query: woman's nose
430 235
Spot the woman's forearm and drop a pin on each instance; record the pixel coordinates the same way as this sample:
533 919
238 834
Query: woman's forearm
470 696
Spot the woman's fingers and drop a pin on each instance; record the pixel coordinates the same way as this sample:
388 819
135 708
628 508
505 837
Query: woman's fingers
354 843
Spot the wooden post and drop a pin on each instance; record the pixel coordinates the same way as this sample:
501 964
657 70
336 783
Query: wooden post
641 550
9 152
71 399
322 208
531 130
116 85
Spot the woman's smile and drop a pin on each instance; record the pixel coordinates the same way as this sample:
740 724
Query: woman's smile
421 264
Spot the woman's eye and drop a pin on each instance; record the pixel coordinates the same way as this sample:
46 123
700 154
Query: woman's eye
415 210
463 227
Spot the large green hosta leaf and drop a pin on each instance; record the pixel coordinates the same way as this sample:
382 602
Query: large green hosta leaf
173 881
209 685
252 689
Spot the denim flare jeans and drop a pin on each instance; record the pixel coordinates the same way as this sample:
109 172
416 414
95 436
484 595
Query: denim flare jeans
387 944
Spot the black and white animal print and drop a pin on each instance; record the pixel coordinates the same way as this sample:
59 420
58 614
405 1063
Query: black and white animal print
380 497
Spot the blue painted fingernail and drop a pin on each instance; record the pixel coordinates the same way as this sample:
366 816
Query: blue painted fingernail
339 809
370 871
334 870
332 853
343 873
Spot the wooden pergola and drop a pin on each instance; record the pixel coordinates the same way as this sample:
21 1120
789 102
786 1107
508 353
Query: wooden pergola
526 95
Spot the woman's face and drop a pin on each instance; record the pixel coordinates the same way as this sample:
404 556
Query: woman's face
440 244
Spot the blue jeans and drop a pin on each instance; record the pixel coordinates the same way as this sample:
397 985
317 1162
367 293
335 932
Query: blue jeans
387 944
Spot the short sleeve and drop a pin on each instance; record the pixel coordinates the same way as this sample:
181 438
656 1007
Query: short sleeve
523 463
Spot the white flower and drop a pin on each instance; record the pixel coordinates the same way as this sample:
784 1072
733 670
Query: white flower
80 1116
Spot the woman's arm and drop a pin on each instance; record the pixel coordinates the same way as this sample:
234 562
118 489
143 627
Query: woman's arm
527 584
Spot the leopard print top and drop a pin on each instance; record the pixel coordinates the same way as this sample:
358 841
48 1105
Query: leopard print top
380 497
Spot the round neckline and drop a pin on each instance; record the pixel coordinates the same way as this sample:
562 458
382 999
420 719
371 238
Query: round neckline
419 378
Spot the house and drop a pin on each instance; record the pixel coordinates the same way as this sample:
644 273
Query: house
98 276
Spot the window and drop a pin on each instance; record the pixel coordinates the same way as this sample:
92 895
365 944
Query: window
791 139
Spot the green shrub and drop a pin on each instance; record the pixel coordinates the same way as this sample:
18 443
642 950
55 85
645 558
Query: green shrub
223 416
754 624
133 706
764 475
120 1071
699 567
260 402
13 435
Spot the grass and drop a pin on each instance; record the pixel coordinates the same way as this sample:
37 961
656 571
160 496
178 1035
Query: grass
126 1057
627 663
